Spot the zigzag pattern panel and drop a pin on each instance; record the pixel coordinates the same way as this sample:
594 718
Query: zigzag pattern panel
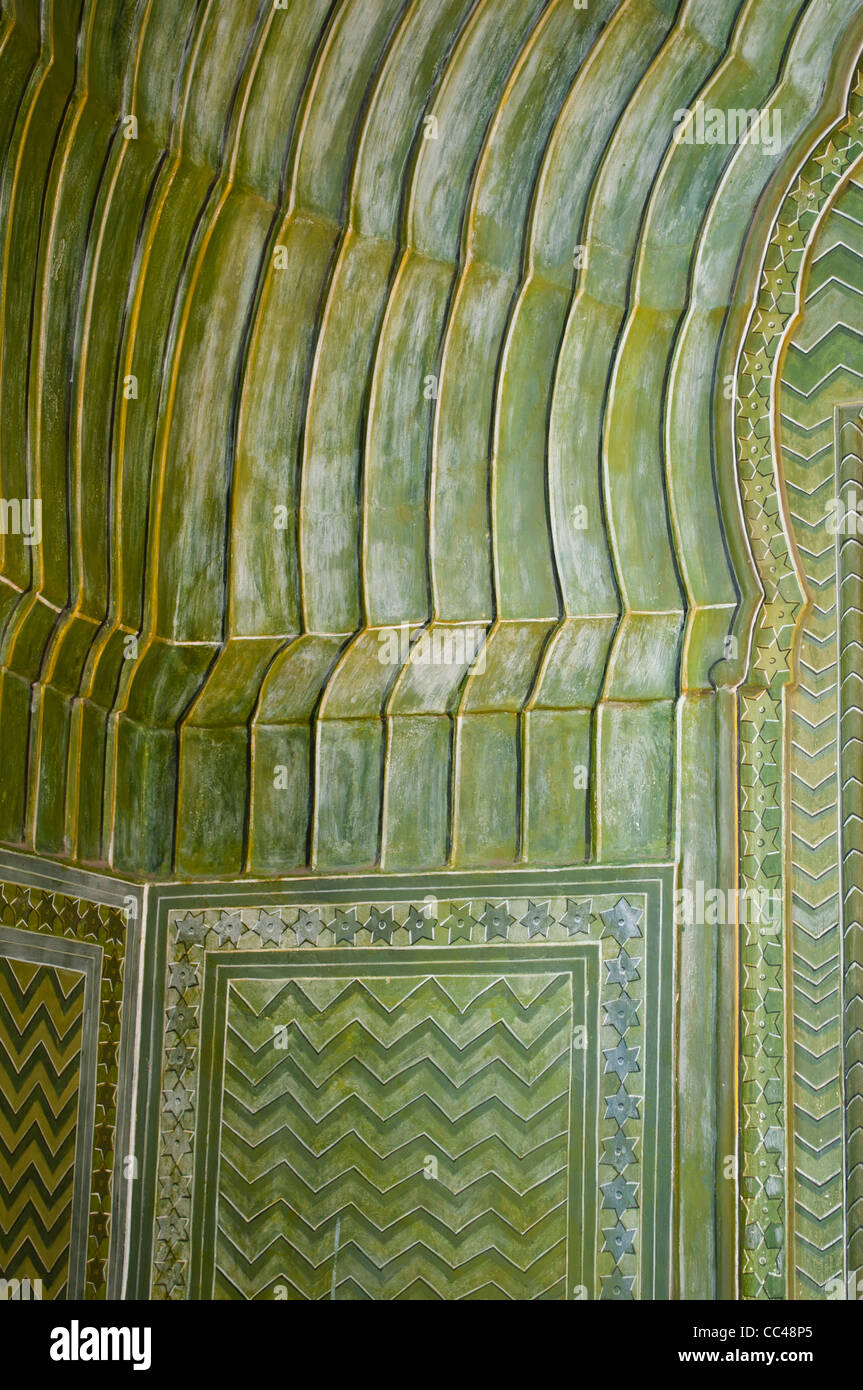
51 928
306 997
396 1138
41 1017
824 367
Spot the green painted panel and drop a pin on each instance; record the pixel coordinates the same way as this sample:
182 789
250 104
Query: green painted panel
435 412
61 988
371 1096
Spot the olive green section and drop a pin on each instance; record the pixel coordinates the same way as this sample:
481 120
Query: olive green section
369 361
422 1125
364 1088
64 1106
329 329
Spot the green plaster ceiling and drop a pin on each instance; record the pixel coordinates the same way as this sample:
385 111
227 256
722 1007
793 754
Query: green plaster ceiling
321 318
418 436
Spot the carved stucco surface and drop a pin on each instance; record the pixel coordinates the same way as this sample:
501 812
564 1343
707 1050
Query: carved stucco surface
335 335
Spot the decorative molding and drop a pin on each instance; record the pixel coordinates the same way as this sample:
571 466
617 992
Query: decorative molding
771 800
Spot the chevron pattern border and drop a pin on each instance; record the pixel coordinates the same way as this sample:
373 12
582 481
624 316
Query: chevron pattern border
849 457
823 365
791 733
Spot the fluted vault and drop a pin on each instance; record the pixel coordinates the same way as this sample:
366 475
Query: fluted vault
328 318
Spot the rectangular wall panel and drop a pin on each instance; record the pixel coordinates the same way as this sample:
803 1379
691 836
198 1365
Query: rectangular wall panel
373 1092
64 1106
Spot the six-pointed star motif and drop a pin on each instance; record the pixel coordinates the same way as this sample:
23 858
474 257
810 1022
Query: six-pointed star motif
269 927
417 925
229 928
537 919
381 925
576 919
496 921
459 924
621 921
345 925
308 926
192 929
